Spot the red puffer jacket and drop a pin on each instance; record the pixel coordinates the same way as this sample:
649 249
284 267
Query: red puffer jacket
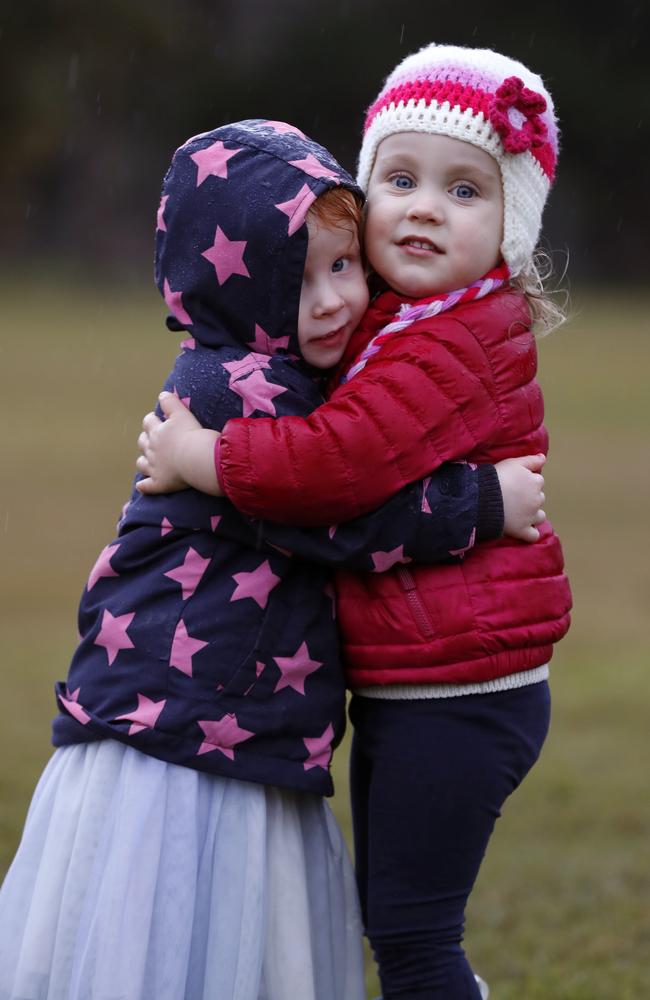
459 386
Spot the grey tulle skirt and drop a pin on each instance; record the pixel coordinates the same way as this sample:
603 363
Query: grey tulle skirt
141 880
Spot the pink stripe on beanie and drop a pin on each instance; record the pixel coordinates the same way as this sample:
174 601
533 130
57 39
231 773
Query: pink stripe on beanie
489 100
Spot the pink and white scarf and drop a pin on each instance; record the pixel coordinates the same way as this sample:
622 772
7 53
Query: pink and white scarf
411 313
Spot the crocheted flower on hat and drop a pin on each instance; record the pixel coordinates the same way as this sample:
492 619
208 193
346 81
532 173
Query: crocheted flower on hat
515 114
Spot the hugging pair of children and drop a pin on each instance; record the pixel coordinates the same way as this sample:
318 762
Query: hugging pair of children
207 693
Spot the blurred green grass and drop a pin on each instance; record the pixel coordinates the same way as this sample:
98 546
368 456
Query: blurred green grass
561 907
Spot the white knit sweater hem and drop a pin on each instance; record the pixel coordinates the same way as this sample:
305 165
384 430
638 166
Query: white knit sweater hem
398 692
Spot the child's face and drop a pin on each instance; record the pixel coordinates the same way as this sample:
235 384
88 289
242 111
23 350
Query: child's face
434 218
334 293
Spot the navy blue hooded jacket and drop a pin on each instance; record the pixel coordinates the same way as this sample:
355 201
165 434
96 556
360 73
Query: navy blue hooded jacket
207 639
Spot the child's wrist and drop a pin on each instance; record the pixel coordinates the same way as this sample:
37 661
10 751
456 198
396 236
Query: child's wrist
195 460
217 463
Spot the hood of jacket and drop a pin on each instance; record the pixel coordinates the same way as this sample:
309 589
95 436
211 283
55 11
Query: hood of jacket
231 236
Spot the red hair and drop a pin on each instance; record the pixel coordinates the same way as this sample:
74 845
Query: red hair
337 207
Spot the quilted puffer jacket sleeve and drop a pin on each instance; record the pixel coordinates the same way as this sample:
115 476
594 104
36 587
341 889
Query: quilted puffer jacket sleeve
420 401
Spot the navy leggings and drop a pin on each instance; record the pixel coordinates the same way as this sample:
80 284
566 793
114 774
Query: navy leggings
428 780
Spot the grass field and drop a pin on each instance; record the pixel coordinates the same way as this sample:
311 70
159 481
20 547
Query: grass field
562 907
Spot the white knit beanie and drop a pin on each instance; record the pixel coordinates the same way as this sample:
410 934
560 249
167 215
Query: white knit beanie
487 99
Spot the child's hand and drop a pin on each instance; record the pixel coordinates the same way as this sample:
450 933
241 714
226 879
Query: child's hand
176 453
522 488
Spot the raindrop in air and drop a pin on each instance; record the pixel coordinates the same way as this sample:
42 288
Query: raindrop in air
73 71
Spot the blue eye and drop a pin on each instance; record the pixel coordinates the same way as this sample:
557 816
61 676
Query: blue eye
402 182
338 265
464 191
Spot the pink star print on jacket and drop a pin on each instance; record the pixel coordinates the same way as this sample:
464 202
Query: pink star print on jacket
213 161
227 256
189 573
183 649
257 393
112 634
295 669
145 716
257 584
103 566
319 749
223 735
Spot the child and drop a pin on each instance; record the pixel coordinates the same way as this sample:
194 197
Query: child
448 664
178 844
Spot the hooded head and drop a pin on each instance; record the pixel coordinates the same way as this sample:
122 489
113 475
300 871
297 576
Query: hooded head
231 238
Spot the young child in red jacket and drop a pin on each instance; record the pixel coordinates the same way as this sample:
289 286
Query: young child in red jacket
448 664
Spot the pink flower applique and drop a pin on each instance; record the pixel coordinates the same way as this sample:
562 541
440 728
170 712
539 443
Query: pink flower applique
515 114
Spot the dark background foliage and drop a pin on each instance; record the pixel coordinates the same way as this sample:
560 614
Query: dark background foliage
94 98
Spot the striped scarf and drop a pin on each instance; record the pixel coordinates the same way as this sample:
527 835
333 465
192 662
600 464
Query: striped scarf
425 308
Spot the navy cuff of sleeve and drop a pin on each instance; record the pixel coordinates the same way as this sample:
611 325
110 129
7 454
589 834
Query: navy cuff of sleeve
489 518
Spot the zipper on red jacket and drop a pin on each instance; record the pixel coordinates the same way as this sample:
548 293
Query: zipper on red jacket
419 611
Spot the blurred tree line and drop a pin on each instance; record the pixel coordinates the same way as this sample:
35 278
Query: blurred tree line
94 98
